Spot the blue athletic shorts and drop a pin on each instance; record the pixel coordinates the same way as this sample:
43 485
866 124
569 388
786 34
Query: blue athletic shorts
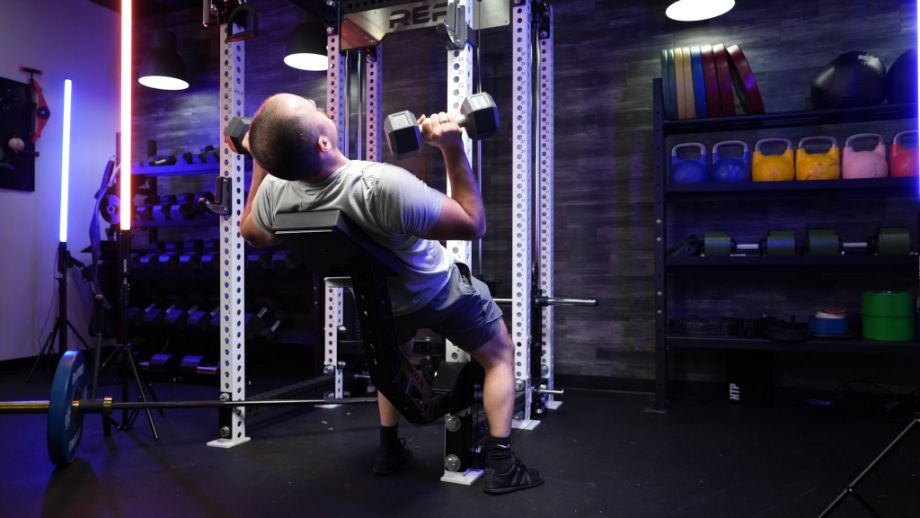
463 312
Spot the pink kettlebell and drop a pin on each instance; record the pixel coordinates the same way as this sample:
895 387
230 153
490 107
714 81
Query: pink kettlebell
865 164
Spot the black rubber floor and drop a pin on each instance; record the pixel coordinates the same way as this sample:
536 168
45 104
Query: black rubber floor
601 455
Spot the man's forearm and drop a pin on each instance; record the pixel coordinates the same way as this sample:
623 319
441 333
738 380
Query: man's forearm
463 186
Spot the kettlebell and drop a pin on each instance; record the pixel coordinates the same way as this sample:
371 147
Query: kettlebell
817 166
904 159
731 168
773 168
689 170
864 164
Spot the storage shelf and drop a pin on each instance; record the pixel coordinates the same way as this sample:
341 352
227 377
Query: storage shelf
794 260
907 187
737 196
175 170
881 112
816 345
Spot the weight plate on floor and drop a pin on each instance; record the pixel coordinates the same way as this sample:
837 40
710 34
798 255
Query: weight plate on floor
711 81
65 426
743 78
699 83
822 241
717 244
780 242
724 75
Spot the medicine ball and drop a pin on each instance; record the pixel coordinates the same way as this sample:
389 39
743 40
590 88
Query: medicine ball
902 78
852 79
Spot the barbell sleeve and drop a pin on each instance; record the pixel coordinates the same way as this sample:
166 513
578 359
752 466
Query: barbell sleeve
24 407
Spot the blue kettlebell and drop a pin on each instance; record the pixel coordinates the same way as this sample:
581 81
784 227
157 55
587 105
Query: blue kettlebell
731 167
689 170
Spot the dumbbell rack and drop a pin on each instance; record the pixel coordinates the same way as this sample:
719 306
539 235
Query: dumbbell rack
200 285
671 271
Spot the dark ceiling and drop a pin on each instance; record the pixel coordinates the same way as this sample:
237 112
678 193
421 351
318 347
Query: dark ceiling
146 8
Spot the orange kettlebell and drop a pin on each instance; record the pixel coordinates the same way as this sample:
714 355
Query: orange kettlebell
865 164
773 168
817 165
904 160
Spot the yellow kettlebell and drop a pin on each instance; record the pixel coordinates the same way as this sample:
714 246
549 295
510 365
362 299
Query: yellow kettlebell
817 165
773 168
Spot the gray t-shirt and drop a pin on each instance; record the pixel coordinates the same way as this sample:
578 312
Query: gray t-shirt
390 204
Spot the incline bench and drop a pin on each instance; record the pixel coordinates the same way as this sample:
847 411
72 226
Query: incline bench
333 246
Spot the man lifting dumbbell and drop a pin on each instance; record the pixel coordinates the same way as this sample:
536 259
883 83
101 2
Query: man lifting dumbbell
298 167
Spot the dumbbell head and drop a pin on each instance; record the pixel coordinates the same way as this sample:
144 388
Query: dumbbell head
235 132
480 116
403 134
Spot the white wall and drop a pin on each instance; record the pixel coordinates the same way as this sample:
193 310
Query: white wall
67 39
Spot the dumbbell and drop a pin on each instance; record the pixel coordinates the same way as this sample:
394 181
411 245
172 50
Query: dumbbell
185 206
235 132
208 154
168 260
147 262
200 318
258 261
162 208
144 211
886 241
478 114
286 261
161 160
210 257
177 318
190 258
188 365
777 243
253 323
153 315
162 363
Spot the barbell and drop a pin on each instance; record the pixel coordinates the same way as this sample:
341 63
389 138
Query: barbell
69 403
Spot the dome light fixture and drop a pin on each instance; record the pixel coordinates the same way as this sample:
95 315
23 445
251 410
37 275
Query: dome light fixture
163 69
307 49
698 10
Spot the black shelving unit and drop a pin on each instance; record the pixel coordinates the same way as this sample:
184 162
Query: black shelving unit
666 195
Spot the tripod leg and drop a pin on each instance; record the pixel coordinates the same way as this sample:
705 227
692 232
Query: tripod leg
140 388
78 335
45 348
851 487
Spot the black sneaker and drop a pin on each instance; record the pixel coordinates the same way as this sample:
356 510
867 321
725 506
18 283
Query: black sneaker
516 477
389 460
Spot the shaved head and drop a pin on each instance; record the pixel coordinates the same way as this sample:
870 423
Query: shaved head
285 134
